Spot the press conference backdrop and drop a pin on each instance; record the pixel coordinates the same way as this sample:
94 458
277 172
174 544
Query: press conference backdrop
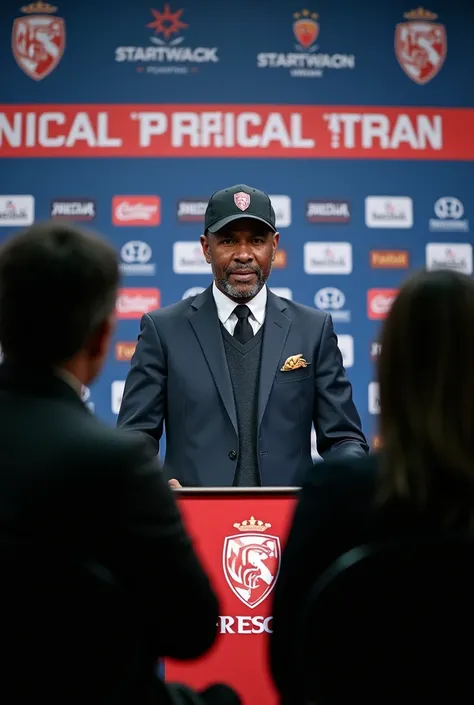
358 120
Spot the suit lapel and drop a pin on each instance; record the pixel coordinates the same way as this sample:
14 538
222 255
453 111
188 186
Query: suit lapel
205 323
275 332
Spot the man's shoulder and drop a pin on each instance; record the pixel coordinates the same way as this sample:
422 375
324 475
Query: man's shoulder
87 435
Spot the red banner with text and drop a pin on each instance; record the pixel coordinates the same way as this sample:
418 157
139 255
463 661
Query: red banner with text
239 538
334 132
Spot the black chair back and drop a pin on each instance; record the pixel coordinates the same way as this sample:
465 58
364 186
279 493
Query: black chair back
390 623
69 635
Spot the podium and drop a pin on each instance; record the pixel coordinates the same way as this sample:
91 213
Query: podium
238 534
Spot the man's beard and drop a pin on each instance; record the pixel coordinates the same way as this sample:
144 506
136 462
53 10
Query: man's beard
243 291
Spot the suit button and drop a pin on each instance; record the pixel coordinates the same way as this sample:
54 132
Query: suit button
232 454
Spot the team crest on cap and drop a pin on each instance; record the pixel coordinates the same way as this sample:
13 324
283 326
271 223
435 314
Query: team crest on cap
242 200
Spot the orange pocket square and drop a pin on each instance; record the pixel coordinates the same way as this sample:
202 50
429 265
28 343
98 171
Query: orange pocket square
294 362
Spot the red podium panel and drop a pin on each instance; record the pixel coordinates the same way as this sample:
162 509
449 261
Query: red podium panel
238 534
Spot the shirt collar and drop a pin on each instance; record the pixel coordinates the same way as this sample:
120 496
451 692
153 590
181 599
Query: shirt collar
71 380
226 306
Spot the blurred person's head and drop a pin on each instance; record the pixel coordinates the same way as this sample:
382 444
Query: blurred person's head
426 375
58 288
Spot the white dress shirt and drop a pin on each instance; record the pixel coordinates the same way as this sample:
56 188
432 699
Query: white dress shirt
225 309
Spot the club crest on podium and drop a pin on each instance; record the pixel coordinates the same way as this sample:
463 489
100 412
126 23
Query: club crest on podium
251 561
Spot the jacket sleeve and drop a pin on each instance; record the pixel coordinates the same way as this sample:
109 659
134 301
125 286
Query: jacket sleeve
155 559
144 396
336 420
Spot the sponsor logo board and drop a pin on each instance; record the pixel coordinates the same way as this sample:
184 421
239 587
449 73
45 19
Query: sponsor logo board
73 209
134 302
132 211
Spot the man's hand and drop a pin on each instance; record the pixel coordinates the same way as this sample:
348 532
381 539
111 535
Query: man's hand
174 484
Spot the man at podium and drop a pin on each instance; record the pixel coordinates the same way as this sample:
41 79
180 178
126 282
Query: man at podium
236 374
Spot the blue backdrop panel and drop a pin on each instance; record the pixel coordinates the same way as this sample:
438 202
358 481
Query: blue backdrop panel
222 56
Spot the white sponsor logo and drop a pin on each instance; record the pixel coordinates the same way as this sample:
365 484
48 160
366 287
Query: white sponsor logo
116 395
388 212
17 211
244 625
188 258
328 257
136 257
332 301
191 211
375 349
449 213
449 256
73 209
374 398
319 211
282 207
193 291
282 291
346 346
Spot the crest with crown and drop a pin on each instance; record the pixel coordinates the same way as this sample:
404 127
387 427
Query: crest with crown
420 15
38 8
252 524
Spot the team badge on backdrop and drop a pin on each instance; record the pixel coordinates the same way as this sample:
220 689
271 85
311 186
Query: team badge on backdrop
38 40
251 561
420 45
306 30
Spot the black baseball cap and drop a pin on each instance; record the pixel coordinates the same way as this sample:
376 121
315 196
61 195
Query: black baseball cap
236 202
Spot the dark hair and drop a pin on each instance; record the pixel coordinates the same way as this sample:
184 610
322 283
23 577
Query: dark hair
426 375
58 284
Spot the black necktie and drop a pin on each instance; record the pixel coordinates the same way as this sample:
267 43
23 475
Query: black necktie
243 330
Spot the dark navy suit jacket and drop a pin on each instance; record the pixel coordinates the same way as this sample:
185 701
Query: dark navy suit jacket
179 377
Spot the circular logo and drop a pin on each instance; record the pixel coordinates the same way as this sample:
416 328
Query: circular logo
449 207
193 291
136 252
329 299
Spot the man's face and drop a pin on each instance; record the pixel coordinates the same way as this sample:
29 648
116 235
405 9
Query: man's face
241 256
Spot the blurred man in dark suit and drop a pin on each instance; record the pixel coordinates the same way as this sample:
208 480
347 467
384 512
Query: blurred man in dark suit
238 375
99 578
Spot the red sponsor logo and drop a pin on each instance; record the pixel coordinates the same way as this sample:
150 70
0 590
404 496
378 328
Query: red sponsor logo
420 45
124 351
379 302
280 260
136 210
133 303
38 40
251 561
237 131
389 259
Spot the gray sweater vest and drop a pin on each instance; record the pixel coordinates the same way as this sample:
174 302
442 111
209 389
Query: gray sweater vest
244 368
